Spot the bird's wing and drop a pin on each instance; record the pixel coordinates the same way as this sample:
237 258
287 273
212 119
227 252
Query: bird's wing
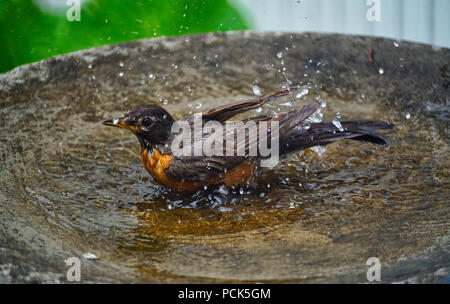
225 112
205 168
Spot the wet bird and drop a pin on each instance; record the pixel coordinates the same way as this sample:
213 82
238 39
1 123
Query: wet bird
153 127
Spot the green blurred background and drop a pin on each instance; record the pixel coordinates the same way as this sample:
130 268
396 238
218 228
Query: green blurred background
31 30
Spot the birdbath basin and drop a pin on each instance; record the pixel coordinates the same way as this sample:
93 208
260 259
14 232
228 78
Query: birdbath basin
71 187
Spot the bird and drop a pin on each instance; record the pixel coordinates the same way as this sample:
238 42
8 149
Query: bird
153 127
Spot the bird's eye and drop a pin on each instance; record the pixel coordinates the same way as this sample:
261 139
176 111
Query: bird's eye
147 121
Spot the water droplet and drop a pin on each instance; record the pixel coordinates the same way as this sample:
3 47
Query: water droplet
338 125
299 128
316 117
89 256
319 149
256 90
287 104
280 55
408 115
302 93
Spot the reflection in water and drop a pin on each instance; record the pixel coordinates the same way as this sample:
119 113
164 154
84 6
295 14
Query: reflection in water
313 216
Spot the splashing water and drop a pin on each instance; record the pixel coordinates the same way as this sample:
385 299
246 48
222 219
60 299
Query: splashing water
337 124
302 93
257 90
319 150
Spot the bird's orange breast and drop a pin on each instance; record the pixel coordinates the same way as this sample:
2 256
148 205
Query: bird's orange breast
156 163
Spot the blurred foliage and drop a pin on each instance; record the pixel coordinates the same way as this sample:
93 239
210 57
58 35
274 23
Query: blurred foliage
29 33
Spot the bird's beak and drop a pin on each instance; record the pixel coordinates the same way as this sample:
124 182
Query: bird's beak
121 123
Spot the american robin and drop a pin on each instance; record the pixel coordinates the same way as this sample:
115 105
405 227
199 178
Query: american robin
153 127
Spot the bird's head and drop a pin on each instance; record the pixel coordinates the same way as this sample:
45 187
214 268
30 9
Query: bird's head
150 123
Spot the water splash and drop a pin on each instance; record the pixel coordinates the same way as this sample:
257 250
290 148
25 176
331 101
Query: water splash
89 256
316 117
302 93
257 90
319 150
337 124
